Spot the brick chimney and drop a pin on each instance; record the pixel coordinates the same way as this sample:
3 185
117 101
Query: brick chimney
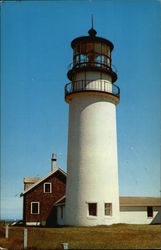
53 162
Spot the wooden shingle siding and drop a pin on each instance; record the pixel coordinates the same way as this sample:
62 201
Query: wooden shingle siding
47 211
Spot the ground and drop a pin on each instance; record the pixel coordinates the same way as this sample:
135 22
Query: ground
118 236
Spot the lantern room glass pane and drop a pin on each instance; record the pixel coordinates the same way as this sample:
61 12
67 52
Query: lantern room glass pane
92 54
77 58
98 59
104 59
82 58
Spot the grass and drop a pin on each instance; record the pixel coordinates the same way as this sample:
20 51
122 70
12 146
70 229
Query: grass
119 236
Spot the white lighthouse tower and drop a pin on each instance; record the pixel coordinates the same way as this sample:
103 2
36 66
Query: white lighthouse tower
92 196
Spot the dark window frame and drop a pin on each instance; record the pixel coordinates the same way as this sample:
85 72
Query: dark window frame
92 209
150 212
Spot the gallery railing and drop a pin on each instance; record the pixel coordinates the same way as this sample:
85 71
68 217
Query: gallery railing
92 85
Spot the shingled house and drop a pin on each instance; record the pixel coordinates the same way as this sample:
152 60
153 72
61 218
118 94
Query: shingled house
44 202
40 195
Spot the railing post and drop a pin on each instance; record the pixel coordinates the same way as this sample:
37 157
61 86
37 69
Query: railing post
6 231
25 238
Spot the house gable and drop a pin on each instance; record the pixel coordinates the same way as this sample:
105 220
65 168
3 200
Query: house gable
46 200
33 186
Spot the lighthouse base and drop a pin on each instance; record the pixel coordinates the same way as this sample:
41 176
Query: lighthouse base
87 220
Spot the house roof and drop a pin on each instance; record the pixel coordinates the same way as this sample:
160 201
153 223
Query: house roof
137 201
31 179
43 179
127 201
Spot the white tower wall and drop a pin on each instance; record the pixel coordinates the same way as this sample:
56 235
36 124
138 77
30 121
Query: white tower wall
92 168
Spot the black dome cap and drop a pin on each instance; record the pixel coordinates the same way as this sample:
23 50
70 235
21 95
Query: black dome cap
91 38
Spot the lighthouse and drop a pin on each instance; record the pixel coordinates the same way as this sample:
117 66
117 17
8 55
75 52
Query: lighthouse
92 194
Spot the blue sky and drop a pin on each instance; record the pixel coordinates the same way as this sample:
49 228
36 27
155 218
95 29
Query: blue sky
35 46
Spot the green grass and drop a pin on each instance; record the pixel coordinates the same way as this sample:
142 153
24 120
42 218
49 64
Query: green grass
101 237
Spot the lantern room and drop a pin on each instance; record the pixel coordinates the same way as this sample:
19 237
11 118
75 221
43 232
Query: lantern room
92 69
91 53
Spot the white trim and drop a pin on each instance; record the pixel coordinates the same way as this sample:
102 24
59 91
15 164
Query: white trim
32 223
50 187
60 204
38 207
60 200
58 169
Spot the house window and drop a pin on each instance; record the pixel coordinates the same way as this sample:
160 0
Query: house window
47 187
35 207
92 209
149 211
108 209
